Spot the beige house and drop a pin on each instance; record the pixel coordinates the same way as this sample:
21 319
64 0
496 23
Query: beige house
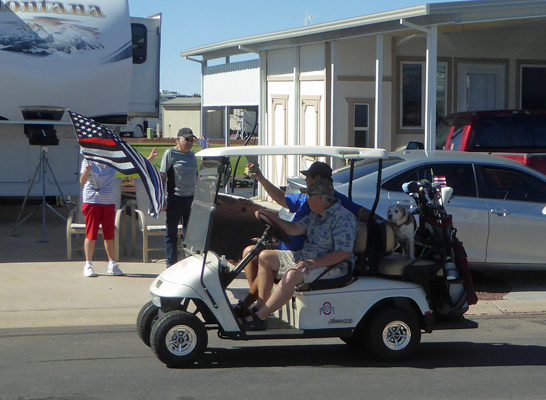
187 111
383 79
180 112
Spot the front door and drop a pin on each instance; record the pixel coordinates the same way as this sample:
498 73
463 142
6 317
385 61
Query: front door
480 86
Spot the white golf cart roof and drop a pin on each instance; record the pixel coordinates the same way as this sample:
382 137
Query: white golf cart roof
351 153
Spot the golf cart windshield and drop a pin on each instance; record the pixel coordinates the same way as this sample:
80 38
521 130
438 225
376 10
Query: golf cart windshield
204 204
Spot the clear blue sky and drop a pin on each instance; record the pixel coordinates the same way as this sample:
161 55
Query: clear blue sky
192 23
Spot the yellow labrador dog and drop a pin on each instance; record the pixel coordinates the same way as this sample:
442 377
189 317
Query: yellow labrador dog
404 225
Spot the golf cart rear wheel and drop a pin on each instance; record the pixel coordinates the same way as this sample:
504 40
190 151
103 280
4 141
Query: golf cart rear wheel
145 320
394 335
178 339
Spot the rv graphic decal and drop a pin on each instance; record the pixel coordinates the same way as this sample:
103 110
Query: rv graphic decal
43 36
52 7
55 30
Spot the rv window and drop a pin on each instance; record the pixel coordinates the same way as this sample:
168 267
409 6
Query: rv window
140 43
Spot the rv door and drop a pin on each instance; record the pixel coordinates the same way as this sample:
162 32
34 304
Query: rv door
146 33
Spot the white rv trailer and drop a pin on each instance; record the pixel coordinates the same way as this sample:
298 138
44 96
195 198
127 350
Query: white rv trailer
90 57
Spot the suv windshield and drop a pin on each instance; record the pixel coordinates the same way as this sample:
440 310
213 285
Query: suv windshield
362 168
509 132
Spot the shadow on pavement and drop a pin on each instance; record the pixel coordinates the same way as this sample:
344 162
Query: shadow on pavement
504 280
430 356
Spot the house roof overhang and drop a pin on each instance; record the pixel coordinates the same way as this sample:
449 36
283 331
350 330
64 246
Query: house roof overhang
453 16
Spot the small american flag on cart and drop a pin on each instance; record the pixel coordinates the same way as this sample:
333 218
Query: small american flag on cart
441 179
100 144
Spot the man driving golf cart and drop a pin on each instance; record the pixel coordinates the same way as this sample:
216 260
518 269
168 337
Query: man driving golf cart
296 203
331 232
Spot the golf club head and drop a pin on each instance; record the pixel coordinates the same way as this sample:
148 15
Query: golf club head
410 187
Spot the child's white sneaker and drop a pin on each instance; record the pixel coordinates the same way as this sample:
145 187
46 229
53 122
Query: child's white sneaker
88 270
113 269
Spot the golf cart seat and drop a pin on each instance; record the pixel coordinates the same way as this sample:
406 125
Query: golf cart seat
396 265
361 243
399 266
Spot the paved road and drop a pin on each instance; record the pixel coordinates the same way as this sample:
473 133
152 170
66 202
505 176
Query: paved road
63 336
503 359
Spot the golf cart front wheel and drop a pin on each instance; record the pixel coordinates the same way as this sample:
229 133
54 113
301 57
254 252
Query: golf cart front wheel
146 318
394 335
178 339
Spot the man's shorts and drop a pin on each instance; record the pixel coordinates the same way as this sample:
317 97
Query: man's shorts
288 260
99 214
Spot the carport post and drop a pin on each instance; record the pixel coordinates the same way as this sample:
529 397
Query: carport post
378 142
431 88
430 81
226 125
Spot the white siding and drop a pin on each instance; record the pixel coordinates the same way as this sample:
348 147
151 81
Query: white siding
234 88
282 127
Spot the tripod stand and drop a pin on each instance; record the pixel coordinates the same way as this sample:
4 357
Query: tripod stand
42 166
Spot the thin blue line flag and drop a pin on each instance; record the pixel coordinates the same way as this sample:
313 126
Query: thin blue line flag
102 145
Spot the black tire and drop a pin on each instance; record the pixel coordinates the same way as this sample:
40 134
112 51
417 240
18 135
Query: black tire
145 320
178 339
394 334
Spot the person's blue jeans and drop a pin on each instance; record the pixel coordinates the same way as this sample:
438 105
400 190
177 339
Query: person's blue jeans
178 209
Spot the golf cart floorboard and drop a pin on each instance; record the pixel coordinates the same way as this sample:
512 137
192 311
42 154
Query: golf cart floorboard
277 328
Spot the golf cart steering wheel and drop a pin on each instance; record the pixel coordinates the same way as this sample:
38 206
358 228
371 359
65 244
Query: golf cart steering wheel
276 231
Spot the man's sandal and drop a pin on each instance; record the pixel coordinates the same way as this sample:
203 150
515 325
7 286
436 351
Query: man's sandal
240 310
256 324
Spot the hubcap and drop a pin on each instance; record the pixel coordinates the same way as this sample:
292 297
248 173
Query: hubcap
181 340
397 335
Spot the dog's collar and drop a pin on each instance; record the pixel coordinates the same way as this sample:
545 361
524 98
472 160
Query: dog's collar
406 222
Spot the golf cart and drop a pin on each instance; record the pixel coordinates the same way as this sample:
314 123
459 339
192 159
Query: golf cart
383 303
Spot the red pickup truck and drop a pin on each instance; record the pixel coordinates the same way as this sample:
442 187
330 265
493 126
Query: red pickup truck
516 134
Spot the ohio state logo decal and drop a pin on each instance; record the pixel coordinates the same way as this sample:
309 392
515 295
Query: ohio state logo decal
327 309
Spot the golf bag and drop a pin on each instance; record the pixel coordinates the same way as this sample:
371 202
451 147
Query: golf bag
451 289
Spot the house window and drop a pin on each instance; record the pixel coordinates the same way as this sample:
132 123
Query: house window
413 93
361 124
533 87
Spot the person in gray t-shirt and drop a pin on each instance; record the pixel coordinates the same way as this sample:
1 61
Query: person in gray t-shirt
179 170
